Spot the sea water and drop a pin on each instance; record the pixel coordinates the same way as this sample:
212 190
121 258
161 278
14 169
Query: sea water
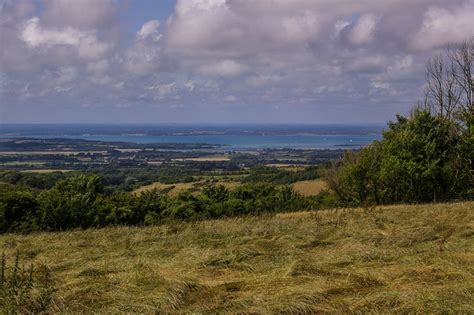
231 137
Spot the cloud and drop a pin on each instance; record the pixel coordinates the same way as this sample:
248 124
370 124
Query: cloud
340 25
86 43
230 98
81 14
190 85
444 26
368 63
364 29
163 90
261 80
144 56
217 26
301 27
98 68
149 30
224 68
302 56
33 35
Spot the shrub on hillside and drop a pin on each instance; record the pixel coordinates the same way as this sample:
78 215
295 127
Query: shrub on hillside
422 158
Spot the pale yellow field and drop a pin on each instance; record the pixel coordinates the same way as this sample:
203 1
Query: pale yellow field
124 150
287 167
306 188
212 158
310 187
179 187
45 171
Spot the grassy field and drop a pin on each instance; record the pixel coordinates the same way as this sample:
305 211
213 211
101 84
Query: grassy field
49 152
310 187
409 259
287 167
46 170
306 188
213 158
179 187
22 163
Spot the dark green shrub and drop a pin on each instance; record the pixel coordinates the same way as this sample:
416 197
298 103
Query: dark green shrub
70 203
18 210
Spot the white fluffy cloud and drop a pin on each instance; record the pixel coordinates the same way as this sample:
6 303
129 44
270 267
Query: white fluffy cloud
150 30
443 26
143 57
35 36
86 43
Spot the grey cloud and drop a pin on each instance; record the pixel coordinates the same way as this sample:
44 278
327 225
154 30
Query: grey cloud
224 68
80 14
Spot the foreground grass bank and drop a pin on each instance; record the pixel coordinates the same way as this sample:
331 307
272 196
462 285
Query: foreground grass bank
394 258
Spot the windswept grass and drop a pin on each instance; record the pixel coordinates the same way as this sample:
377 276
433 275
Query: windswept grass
408 259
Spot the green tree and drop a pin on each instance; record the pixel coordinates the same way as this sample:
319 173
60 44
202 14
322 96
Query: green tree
421 158
18 210
70 203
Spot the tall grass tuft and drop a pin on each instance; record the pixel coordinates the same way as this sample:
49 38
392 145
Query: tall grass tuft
23 289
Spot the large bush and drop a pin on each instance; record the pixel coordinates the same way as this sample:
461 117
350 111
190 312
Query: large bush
70 203
18 209
422 158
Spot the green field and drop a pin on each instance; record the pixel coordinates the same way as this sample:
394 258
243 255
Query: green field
403 259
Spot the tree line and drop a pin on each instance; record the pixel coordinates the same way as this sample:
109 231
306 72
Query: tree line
80 202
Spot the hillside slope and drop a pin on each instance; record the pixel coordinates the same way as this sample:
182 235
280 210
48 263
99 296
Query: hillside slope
394 258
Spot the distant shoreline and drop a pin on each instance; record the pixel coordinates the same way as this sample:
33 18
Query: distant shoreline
244 137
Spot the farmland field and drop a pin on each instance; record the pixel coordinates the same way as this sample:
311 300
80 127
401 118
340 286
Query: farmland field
179 187
310 187
46 170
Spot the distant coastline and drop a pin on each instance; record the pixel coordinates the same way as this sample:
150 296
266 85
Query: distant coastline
233 137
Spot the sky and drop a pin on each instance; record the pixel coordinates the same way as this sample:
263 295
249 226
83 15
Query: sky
220 61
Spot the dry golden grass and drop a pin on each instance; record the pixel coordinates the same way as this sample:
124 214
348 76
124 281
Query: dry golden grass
179 187
400 259
287 167
310 187
212 158
46 170
125 150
